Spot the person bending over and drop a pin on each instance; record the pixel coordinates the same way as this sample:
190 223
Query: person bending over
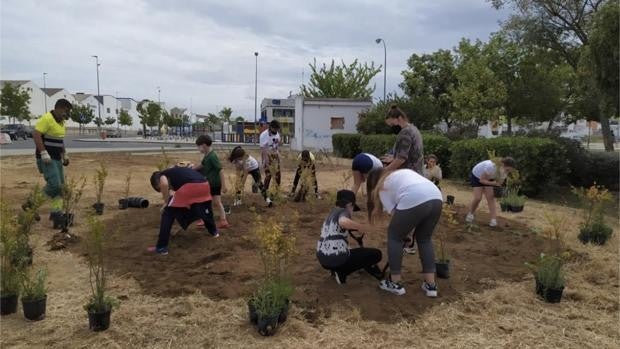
361 165
305 163
245 164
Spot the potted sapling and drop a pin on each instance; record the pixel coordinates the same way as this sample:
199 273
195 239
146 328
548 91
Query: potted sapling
34 295
442 264
9 254
72 192
549 277
100 176
123 203
99 307
593 228
25 221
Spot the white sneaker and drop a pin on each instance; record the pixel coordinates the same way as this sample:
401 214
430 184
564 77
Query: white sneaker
237 203
269 202
469 218
409 250
430 290
493 223
391 286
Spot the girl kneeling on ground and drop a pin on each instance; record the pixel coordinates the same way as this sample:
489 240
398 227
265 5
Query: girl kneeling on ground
483 178
414 202
190 201
245 164
332 249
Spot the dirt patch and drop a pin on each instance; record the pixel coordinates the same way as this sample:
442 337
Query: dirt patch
228 267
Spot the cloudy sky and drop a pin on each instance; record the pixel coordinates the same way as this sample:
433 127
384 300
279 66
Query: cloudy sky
202 51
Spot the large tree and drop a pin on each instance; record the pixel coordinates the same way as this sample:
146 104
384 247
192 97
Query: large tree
14 103
429 79
419 111
81 114
124 119
565 27
225 114
150 114
341 81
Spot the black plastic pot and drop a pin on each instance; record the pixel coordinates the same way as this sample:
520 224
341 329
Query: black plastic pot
252 313
99 321
284 312
98 206
450 199
63 221
34 309
504 207
552 295
137 202
8 304
498 192
515 209
267 326
122 204
442 269
539 287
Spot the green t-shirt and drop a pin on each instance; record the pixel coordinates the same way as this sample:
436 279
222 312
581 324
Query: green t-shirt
211 168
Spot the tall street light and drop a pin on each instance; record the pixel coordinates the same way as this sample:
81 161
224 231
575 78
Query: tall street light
256 98
158 95
379 40
98 93
44 93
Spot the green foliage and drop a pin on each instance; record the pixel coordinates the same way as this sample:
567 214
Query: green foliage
225 114
602 168
14 102
72 192
9 254
124 118
377 145
81 114
541 161
33 286
440 146
99 179
95 241
593 228
25 221
346 145
271 297
420 113
597 233
109 120
342 81
548 271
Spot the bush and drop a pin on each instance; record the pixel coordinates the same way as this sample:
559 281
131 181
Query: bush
597 233
541 161
440 146
346 145
602 169
377 145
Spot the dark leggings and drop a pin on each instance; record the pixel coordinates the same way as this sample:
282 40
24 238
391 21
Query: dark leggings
423 218
185 217
256 177
359 258
300 169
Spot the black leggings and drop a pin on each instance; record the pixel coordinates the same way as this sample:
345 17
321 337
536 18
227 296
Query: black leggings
256 177
359 258
185 217
300 169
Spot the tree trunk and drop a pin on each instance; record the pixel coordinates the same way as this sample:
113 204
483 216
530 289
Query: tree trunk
606 130
509 123
550 126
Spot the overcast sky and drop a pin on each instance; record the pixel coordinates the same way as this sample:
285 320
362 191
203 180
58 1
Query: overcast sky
202 51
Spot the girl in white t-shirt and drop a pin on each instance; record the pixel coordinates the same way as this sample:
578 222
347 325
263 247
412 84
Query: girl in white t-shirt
483 178
245 164
414 202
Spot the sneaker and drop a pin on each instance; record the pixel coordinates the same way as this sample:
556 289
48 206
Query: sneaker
159 250
430 290
469 218
391 286
269 202
340 278
318 196
216 235
493 223
222 225
409 250
237 203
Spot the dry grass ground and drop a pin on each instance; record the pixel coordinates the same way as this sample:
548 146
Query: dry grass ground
506 314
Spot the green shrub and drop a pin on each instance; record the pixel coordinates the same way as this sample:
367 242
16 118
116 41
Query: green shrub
548 271
33 285
440 146
541 161
602 169
596 233
346 145
377 145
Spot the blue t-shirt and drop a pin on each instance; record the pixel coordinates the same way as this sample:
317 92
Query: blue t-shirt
178 176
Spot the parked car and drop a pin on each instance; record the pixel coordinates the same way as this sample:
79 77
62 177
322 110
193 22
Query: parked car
113 133
15 131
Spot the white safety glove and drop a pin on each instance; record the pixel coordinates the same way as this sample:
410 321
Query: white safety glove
65 159
46 157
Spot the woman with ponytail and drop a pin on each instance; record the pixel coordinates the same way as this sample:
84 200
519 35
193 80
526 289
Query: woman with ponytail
413 202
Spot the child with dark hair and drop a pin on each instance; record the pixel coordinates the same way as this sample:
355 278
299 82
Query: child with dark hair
484 176
245 164
332 249
211 168
306 162
191 201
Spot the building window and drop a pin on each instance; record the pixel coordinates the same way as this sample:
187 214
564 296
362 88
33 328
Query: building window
337 123
116 111
108 110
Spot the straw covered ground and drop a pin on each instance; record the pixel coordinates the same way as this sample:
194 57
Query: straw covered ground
195 296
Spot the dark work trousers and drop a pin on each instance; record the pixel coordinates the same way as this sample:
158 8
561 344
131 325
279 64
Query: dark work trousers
185 217
272 160
359 258
300 169
256 177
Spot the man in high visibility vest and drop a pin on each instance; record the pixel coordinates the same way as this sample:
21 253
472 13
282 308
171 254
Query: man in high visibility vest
48 136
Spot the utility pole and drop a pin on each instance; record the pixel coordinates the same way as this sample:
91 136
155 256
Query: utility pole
256 99
44 93
98 94
384 65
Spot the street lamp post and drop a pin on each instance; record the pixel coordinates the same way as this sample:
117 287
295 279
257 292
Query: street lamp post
379 40
256 98
158 95
98 94
44 93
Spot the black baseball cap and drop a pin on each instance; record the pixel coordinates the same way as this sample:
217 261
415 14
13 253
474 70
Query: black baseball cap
344 197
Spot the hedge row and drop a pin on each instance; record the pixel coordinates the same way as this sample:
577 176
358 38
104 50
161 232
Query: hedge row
346 145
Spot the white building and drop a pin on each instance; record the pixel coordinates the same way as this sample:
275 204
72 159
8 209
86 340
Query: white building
54 94
37 96
317 119
110 107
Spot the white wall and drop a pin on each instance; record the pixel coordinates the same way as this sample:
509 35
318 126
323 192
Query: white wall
132 108
313 121
37 99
